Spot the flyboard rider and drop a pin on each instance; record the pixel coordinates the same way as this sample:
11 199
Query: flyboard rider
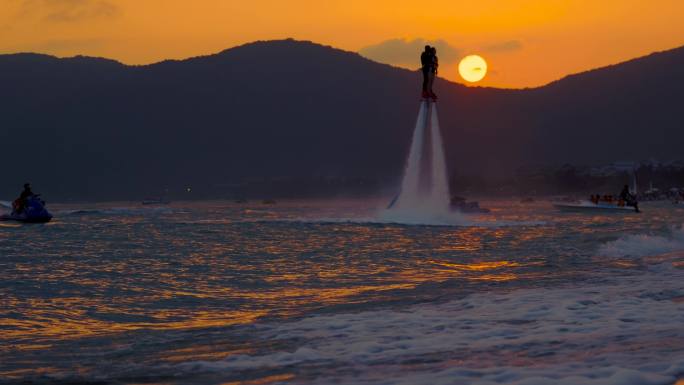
429 64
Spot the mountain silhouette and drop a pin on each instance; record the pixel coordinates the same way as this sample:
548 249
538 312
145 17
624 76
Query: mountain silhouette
92 128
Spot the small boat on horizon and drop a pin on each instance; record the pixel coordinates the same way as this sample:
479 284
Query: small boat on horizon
626 201
584 205
467 207
155 201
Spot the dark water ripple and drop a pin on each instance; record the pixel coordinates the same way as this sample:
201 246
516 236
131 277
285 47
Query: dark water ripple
136 288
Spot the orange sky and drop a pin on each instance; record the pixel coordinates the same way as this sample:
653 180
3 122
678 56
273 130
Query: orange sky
527 43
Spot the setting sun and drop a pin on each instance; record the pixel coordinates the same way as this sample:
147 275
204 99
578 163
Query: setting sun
472 68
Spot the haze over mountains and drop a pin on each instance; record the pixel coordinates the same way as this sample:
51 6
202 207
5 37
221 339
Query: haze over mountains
89 128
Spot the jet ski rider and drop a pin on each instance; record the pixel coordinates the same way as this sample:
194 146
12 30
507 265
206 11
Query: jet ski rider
20 202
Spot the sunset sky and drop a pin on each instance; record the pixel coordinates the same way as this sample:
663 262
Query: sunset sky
526 43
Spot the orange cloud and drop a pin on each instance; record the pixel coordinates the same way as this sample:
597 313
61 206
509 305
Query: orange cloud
69 10
405 52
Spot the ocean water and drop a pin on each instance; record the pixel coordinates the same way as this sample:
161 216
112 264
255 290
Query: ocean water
340 292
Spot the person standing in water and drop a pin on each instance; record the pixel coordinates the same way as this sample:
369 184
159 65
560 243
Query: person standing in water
426 65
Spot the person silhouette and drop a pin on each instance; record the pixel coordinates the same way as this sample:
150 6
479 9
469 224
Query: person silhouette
20 203
426 65
434 65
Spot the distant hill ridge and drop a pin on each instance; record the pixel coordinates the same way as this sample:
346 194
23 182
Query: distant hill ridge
667 57
98 129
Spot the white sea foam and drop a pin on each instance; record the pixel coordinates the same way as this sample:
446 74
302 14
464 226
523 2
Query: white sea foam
641 245
625 332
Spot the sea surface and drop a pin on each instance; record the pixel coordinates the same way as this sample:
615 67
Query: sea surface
340 292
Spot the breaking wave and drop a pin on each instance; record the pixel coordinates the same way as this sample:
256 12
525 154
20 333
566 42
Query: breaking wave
642 245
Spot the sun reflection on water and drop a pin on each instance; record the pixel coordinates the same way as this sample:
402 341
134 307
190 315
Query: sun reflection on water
208 267
264 380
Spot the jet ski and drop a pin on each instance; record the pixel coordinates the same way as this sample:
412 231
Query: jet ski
33 212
